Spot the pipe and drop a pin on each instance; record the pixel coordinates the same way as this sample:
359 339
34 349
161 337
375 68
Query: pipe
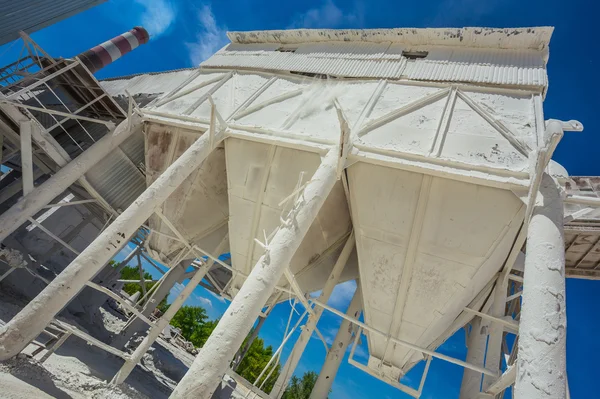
338 350
34 317
541 363
212 362
311 324
43 194
103 54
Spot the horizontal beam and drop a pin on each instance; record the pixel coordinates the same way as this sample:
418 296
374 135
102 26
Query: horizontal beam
509 325
406 344
584 274
503 382
581 200
90 340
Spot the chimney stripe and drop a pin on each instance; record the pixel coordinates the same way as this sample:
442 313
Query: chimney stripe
133 41
122 44
113 50
102 54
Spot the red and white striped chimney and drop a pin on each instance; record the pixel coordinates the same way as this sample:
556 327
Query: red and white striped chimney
98 57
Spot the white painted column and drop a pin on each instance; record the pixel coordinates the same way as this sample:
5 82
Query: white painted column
476 344
61 180
213 360
26 156
165 319
294 358
541 361
34 317
338 350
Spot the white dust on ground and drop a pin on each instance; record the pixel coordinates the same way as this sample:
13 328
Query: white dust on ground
78 370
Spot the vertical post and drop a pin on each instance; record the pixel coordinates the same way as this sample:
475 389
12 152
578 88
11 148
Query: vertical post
34 317
338 349
294 358
60 181
212 362
141 271
165 319
476 344
496 332
541 362
26 156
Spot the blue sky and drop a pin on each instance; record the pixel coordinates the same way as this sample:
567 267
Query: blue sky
185 32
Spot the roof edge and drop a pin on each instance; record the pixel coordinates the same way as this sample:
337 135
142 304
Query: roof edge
531 38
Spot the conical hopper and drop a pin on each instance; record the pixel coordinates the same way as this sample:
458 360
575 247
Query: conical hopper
429 182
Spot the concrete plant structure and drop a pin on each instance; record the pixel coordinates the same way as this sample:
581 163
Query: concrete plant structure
415 161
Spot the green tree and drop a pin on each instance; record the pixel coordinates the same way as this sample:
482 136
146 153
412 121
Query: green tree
255 361
201 334
133 273
300 388
196 328
189 319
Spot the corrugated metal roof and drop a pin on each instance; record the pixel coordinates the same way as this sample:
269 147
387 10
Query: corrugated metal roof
369 60
518 67
116 178
385 60
33 15
535 38
147 83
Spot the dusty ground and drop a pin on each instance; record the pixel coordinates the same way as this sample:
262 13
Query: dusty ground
77 370
81 371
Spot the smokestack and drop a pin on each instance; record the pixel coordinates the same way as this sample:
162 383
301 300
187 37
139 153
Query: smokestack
98 57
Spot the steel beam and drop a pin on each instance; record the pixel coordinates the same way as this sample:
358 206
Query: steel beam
28 323
213 361
338 349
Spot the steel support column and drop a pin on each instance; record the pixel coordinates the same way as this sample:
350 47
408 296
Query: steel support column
34 317
26 156
294 358
338 350
210 365
476 344
541 362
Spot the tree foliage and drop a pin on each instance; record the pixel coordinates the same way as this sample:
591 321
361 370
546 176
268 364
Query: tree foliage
300 388
194 324
255 361
133 273
196 328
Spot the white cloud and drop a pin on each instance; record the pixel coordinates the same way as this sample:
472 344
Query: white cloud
217 297
329 15
360 353
342 295
211 37
204 301
158 16
178 288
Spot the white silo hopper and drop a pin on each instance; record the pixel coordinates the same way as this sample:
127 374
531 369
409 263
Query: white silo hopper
440 130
